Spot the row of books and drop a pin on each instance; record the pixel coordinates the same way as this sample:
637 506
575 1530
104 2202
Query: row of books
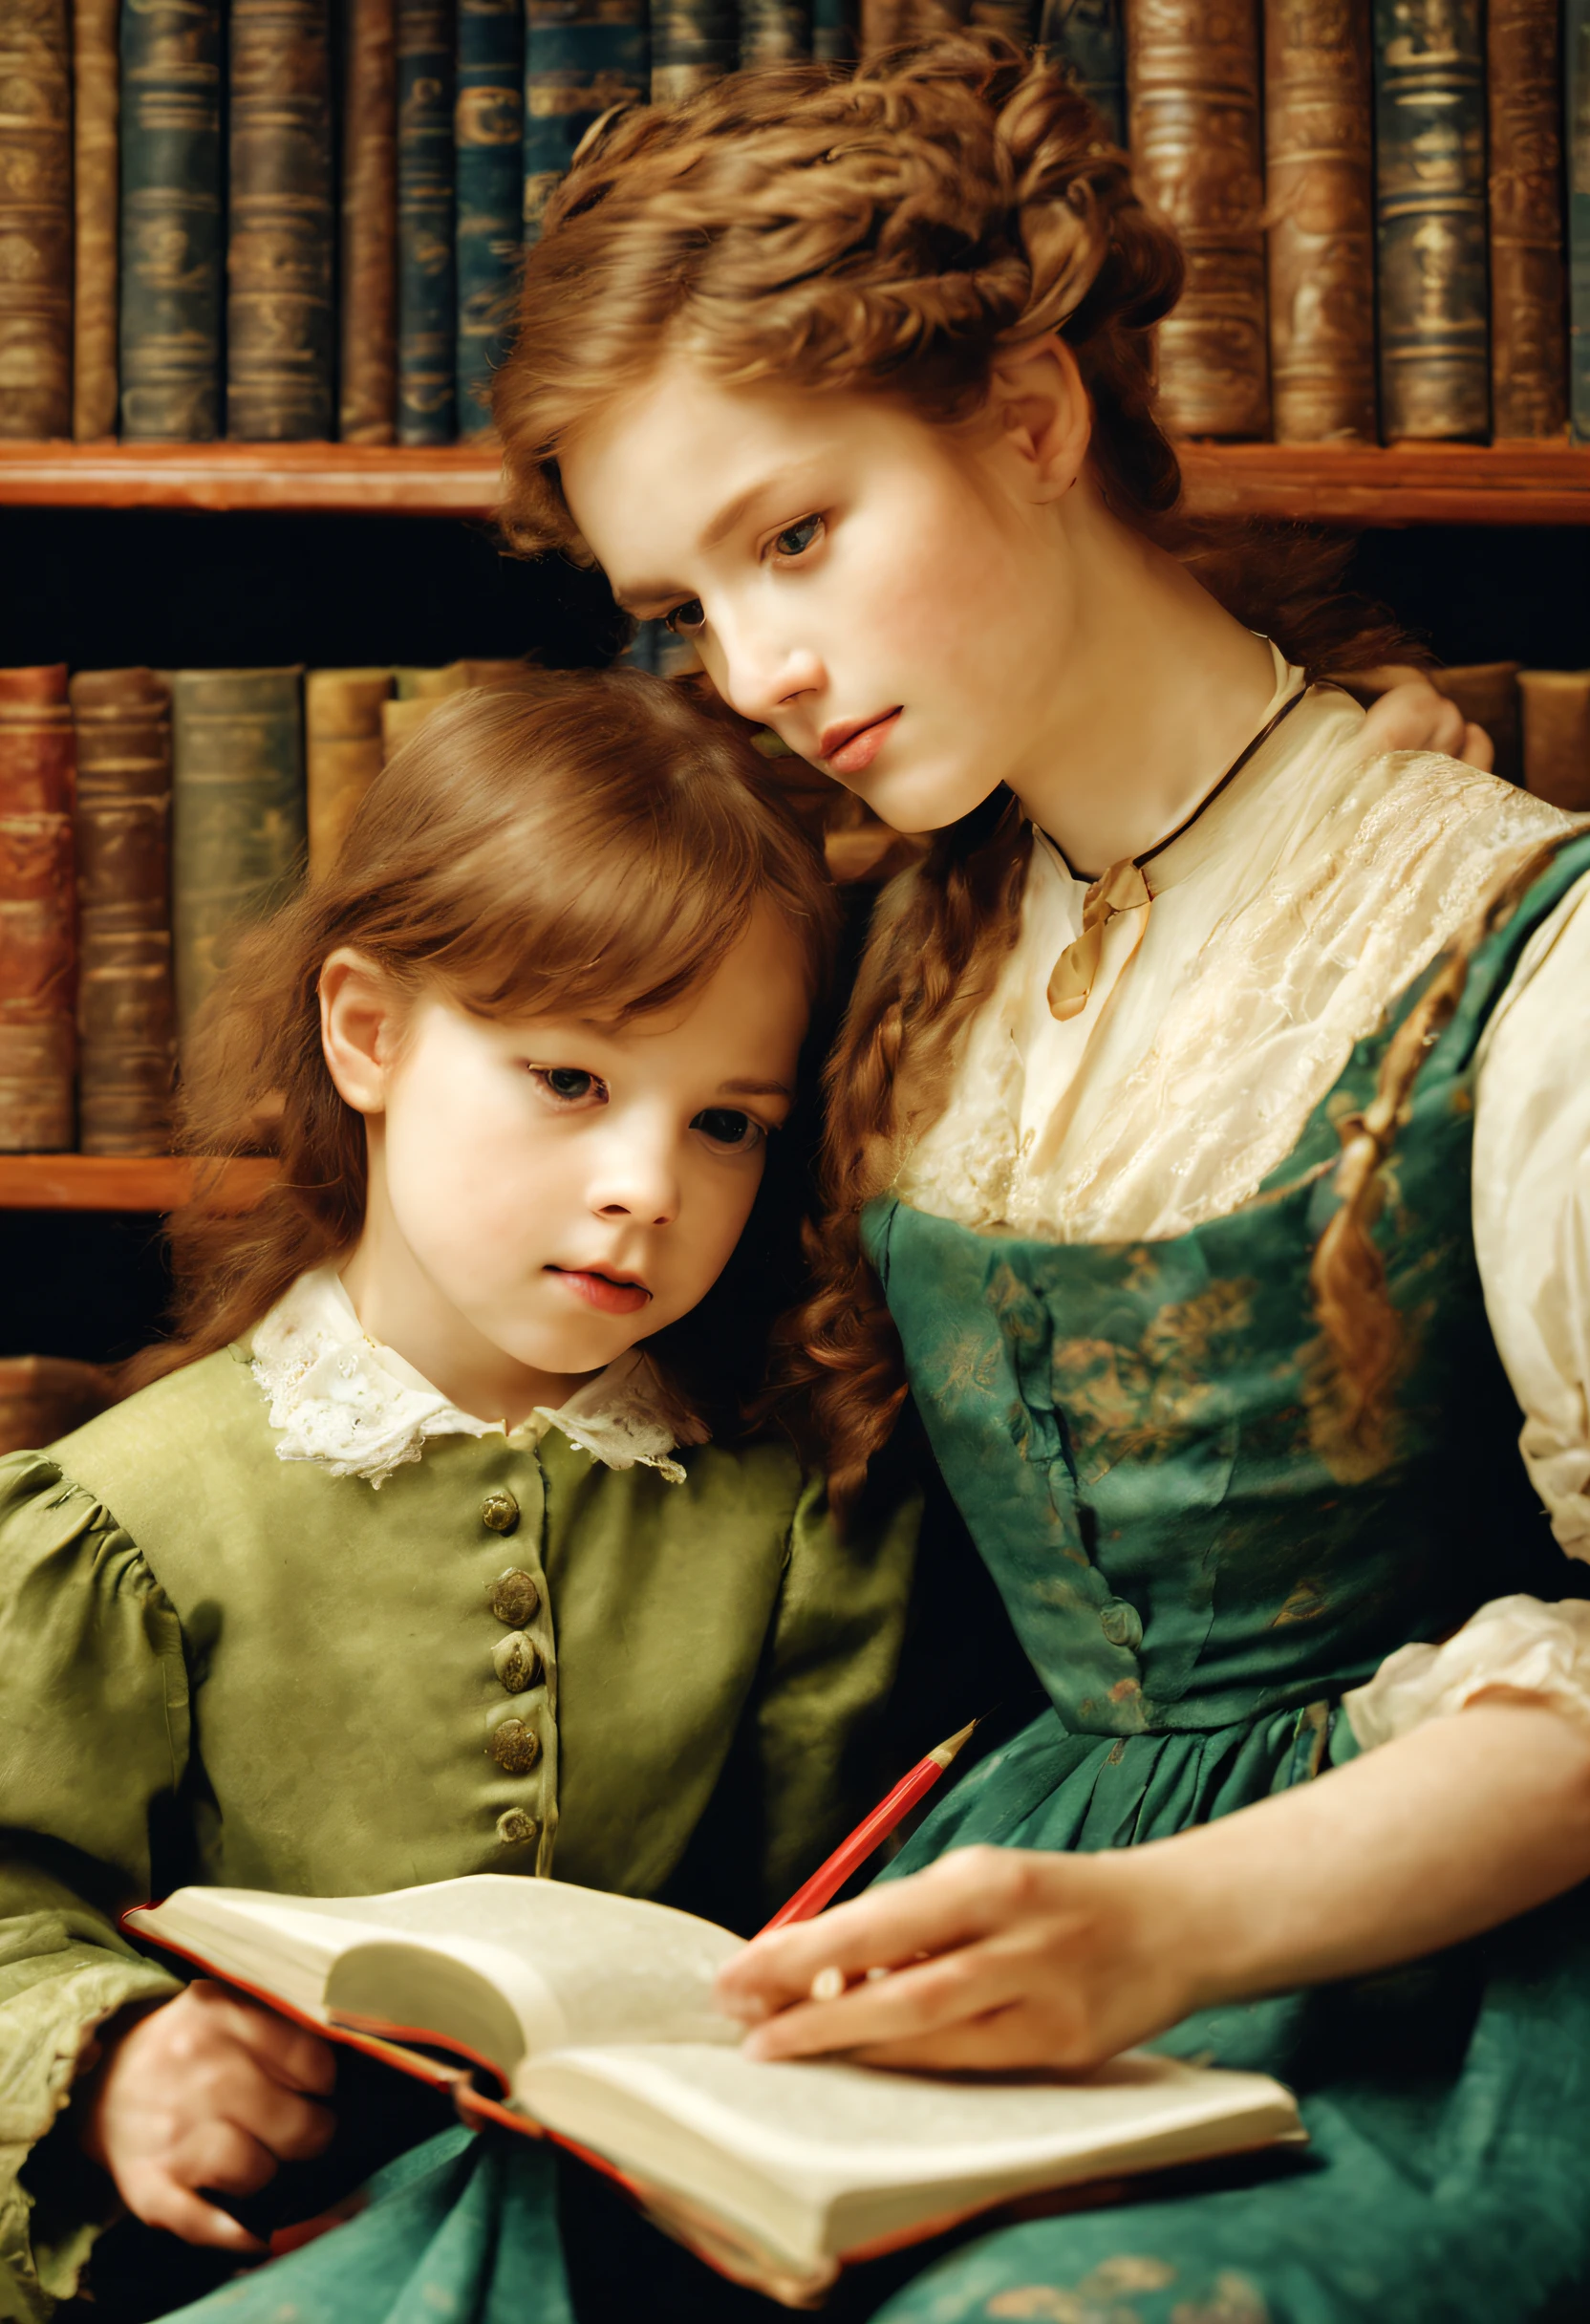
144 814
294 219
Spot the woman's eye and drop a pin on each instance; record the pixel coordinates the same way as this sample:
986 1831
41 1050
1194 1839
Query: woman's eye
570 1084
726 1127
687 616
796 539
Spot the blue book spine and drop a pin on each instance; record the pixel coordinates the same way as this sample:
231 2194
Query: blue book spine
581 59
694 42
426 295
773 31
488 139
172 257
1089 38
835 31
1575 78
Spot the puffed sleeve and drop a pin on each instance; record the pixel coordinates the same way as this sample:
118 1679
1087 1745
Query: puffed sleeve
1532 1238
94 1730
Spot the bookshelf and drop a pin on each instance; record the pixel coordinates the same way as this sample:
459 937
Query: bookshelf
92 1182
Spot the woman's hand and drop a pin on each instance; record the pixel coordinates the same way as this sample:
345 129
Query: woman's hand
204 2090
1414 717
1032 1960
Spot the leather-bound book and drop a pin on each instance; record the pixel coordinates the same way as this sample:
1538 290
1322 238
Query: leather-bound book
426 276
37 934
693 42
1429 195
1089 38
96 78
170 222
279 325
1487 693
1557 736
1319 164
883 22
489 142
342 750
1193 87
1017 19
126 1031
35 219
1576 94
774 31
237 814
581 56
404 716
1529 354
46 1397
835 31
367 371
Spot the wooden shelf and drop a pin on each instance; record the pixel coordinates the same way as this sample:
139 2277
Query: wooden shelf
1349 485
92 1182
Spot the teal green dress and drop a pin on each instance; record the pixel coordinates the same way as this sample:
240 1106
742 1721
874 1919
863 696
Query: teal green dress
1198 1562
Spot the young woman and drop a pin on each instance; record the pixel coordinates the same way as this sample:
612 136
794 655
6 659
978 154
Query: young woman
417 1561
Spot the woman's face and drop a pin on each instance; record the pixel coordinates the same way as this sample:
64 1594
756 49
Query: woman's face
891 597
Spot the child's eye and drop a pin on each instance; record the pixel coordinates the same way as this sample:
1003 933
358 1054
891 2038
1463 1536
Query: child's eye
796 539
729 1128
686 617
569 1084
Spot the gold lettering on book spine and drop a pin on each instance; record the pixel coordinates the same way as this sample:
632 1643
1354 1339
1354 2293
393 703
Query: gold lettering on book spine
1529 369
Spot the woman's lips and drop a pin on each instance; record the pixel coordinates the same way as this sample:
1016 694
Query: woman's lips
601 1291
855 750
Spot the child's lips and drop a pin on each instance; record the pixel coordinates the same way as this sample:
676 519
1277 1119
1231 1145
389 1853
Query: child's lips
604 1292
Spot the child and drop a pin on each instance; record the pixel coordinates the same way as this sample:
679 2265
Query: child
417 1561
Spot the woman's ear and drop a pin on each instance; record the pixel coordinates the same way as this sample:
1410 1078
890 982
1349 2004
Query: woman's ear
1038 400
360 1019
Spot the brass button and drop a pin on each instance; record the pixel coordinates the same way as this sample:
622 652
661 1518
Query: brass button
514 1597
515 1747
500 1511
516 1662
514 1827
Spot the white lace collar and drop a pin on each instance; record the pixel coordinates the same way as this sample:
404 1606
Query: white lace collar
358 1409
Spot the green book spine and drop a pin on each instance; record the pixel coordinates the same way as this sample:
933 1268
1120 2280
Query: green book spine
35 219
1087 37
489 139
774 31
1430 188
171 255
426 296
279 315
237 814
835 31
1576 78
581 59
694 42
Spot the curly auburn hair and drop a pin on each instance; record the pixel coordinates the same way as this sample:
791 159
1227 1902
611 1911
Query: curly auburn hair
893 232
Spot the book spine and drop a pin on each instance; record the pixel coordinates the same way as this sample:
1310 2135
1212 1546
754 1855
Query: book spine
581 57
343 743
43 1397
237 816
774 31
125 1020
1575 92
1017 19
1087 37
1557 736
279 258
1320 161
426 300
1429 202
170 222
368 369
1194 104
1529 383
883 23
96 165
37 934
35 219
694 43
490 138
835 31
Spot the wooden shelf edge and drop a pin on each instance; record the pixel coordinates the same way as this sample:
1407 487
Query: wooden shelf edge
290 478
1359 485
94 1182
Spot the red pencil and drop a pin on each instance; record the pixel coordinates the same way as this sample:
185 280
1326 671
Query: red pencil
825 1883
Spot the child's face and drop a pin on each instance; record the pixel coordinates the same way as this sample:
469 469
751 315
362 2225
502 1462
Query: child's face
891 597
556 1188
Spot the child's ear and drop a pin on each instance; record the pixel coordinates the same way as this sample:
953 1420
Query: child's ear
359 1024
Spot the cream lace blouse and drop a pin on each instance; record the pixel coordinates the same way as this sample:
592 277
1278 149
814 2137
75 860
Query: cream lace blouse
1281 926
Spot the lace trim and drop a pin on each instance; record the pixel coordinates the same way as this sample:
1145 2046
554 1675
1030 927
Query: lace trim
357 1408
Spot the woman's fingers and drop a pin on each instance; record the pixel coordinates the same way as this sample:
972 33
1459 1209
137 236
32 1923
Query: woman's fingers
152 2195
1477 748
927 2000
290 2054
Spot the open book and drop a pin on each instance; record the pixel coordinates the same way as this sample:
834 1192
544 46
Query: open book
594 2013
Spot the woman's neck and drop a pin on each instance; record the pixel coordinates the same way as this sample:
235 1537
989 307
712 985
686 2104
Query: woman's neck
1159 690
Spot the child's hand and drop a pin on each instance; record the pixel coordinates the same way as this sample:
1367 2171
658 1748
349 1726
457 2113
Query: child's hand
1035 1960
1414 717
206 2091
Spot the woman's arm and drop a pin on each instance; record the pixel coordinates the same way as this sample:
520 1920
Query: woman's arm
1039 1959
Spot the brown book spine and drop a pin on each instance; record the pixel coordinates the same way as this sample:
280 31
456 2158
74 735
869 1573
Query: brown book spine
342 745
1320 205
35 219
1193 81
97 154
44 1397
127 1037
1528 287
883 22
36 930
368 401
1557 736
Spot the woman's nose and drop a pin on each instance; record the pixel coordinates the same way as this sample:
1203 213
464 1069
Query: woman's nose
766 673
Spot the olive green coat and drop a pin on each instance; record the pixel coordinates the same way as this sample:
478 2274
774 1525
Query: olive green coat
221 1666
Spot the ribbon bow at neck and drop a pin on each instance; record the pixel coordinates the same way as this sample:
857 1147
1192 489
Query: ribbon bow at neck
1122 888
